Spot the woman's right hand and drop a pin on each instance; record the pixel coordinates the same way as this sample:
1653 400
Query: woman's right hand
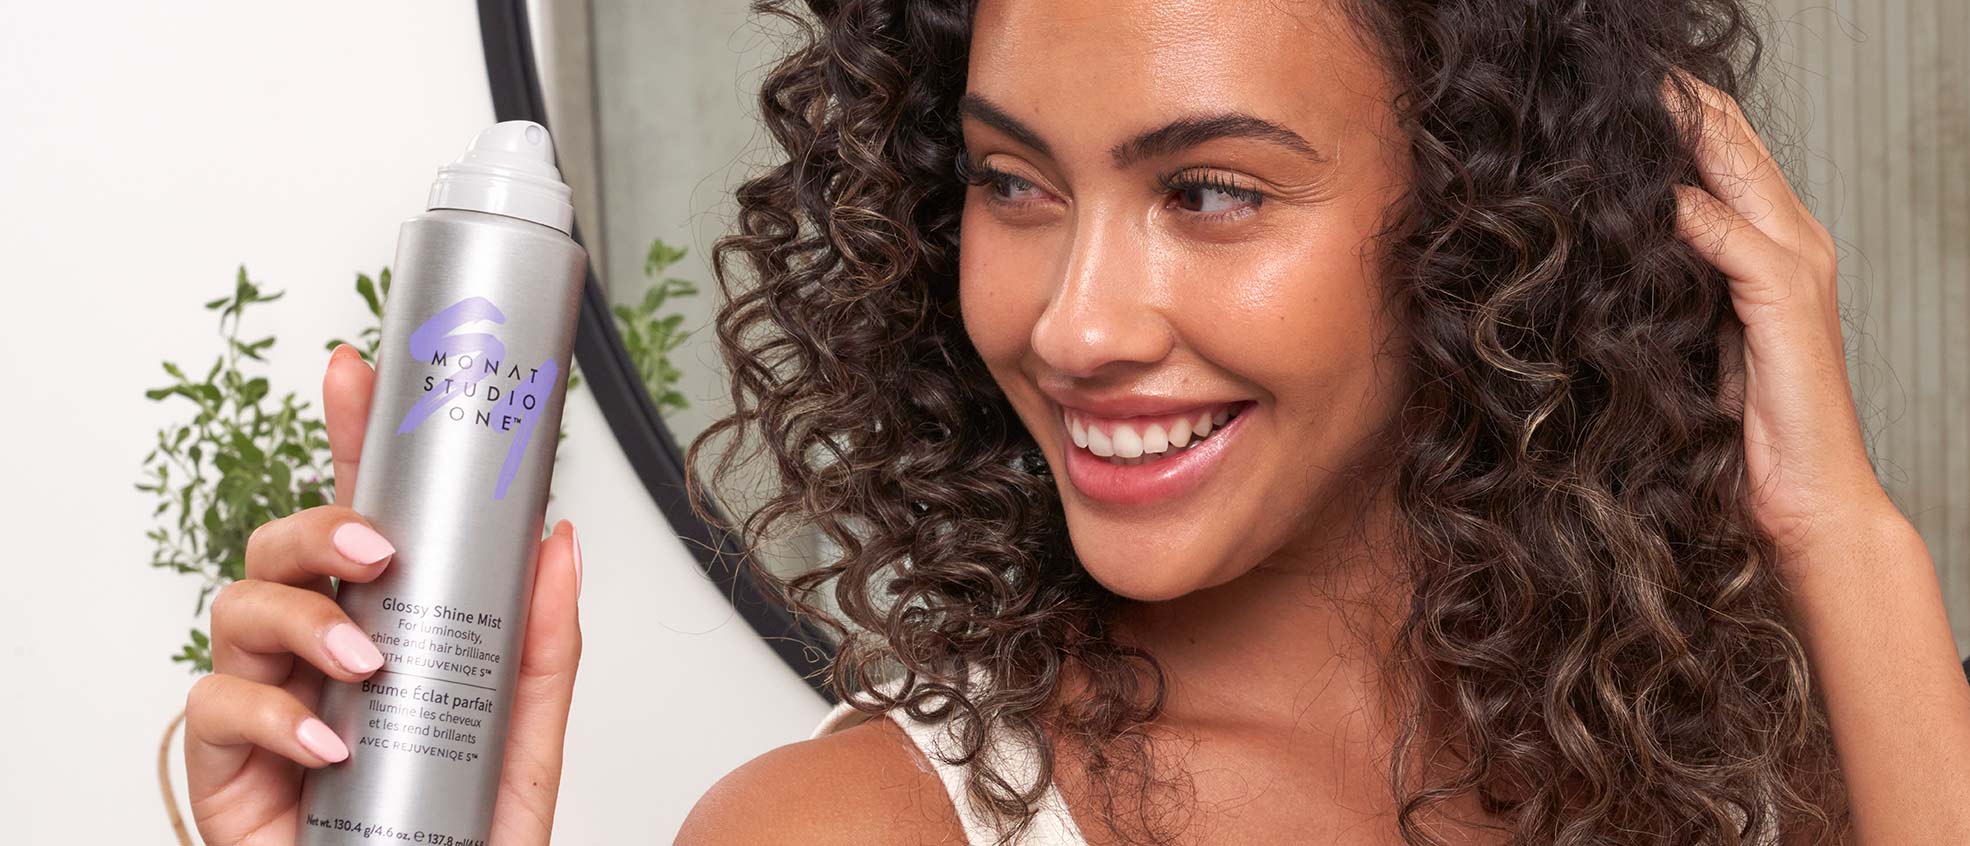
250 725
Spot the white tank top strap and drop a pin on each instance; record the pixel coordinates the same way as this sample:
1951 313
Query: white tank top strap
1013 758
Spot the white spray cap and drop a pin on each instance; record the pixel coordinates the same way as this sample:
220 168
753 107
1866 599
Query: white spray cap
509 170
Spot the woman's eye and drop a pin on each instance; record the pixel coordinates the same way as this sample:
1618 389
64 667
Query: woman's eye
1207 199
1006 187
1212 196
1002 188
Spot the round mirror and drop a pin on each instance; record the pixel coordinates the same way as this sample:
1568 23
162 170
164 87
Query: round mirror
652 160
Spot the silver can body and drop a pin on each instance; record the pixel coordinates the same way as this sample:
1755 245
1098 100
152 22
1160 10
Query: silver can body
471 372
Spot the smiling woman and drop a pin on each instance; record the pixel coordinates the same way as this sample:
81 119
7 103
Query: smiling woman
1260 423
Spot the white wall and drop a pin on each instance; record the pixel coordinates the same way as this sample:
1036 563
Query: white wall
147 149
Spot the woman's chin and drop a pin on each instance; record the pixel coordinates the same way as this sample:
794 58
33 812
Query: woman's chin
1148 576
1150 561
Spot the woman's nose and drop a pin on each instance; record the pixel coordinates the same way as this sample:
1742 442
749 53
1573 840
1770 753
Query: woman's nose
1106 306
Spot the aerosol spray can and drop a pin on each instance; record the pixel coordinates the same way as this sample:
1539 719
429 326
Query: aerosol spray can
470 374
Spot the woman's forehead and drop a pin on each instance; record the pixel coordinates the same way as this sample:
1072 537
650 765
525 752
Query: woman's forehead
1160 41
1086 73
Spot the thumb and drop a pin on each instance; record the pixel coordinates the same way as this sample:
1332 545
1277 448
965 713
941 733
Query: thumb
543 692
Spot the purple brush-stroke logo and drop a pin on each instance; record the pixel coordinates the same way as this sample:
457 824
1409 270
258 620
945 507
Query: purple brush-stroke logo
523 434
434 342
479 353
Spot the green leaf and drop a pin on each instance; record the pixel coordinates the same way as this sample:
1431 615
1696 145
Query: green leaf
248 451
367 288
661 255
215 303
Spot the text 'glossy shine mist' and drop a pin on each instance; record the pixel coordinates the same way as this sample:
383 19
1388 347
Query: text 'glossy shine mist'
463 422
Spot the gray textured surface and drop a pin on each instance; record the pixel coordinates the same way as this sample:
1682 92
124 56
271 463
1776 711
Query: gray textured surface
1879 130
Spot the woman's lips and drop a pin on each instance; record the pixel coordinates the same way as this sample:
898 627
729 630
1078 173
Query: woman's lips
1169 477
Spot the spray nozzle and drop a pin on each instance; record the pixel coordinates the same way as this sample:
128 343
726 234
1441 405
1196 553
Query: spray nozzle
508 170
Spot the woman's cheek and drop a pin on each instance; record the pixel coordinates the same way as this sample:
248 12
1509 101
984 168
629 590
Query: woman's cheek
1234 301
998 299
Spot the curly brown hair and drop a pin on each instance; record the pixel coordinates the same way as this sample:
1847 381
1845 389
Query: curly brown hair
1595 614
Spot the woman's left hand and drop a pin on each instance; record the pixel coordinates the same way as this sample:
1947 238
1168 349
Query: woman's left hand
1869 611
1808 467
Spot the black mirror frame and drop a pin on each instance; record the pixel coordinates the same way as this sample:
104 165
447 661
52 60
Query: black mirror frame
613 379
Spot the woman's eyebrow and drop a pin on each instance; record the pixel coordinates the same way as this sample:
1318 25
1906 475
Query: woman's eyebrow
1176 135
1188 132
991 115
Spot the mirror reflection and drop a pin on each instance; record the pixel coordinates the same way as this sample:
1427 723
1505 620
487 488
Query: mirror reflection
653 112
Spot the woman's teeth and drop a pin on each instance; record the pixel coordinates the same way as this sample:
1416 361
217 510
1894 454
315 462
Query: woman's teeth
1139 443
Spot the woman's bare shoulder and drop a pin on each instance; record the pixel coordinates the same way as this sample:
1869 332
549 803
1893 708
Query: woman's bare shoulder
865 784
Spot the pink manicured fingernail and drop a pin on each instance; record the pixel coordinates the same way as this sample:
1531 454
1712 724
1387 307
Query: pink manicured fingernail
362 544
575 538
321 740
351 649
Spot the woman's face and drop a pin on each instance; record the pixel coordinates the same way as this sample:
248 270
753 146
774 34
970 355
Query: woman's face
1181 232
